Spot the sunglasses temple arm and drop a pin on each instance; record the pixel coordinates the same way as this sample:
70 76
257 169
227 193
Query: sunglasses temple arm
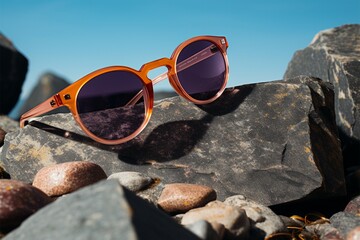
50 104
194 59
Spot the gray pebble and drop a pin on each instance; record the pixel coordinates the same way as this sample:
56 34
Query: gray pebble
134 181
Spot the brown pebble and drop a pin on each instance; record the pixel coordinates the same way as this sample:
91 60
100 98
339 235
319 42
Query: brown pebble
18 201
181 197
63 178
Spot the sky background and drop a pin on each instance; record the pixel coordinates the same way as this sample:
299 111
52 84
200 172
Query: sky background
72 38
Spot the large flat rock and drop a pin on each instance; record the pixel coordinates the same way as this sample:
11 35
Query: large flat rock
273 142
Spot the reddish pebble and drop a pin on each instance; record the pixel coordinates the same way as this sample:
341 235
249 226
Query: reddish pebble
181 197
18 201
353 206
63 178
354 234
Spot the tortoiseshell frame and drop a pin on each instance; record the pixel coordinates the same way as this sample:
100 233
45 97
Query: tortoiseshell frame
67 97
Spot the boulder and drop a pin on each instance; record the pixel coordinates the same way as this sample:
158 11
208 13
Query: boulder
48 85
13 69
334 56
104 210
274 142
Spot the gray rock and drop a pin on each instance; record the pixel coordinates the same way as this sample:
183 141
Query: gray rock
104 210
48 85
273 137
334 56
264 221
345 222
134 181
13 69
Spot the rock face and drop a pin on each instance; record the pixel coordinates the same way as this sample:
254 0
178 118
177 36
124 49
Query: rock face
274 142
334 56
13 69
101 211
48 85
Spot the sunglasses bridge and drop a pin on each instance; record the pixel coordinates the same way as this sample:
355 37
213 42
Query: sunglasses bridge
166 62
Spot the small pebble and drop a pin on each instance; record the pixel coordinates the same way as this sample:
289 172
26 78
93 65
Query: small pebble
63 178
234 219
354 234
134 181
204 230
263 219
18 201
353 206
181 197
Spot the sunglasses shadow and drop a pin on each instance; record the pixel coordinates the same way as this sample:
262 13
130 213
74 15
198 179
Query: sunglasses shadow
168 141
173 140
69 135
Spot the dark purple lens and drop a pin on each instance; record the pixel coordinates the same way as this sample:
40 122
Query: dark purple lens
103 104
201 69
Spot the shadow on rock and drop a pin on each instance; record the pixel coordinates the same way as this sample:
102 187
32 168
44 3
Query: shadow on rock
229 101
166 142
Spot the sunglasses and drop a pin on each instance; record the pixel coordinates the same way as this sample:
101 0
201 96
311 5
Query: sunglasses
113 105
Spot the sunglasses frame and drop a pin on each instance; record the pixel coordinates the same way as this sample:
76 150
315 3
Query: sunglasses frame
68 96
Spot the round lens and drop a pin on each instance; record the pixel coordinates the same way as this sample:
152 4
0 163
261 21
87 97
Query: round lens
106 105
201 69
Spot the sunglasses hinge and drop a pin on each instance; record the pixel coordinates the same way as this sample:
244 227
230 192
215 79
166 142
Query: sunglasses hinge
56 101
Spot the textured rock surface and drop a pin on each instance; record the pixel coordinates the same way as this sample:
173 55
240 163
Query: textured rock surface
181 197
63 178
13 69
18 201
48 85
334 56
273 142
102 211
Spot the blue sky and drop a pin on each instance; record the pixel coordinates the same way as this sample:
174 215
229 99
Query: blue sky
72 37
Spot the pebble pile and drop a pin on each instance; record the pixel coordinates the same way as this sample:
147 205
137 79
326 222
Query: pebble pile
193 206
